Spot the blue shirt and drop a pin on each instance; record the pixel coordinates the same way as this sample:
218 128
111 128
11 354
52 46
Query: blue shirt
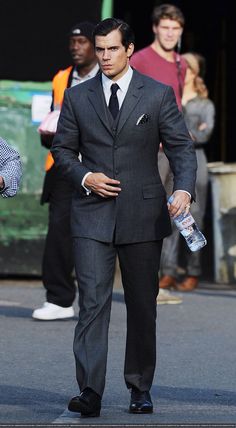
10 169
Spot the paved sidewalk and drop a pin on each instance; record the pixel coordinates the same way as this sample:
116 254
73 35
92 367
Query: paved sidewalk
195 381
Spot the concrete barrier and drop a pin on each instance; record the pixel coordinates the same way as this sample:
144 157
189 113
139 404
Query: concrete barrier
223 191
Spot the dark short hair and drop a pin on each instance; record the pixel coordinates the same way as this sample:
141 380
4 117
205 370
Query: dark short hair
109 24
167 11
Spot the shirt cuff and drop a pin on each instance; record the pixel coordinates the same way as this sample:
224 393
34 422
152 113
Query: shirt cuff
185 191
10 186
88 191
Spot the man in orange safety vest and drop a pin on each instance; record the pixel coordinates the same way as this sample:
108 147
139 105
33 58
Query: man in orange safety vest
57 263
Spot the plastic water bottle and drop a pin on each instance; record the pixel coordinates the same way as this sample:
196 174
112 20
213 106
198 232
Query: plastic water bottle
189 229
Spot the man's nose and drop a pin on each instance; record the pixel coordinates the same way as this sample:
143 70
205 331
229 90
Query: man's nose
76 46
106 54
170 32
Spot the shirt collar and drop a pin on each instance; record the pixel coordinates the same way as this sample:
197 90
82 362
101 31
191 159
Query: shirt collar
91 74
123 82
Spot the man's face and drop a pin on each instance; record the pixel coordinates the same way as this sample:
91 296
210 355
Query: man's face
111 54
167 33
81 50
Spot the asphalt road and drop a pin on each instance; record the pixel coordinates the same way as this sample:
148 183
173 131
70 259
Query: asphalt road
195 380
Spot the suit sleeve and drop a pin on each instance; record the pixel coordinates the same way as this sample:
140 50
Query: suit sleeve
65 146
177 144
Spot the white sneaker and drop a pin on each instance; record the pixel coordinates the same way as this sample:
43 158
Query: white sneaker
166 298
49 312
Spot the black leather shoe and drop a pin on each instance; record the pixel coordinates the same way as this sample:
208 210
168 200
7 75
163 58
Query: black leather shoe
140 402
88 403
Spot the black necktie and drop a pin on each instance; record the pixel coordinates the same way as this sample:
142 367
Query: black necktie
113 102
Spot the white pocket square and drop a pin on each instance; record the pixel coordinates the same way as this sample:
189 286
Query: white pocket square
143 119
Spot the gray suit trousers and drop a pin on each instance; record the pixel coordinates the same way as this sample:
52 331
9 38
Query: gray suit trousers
95 266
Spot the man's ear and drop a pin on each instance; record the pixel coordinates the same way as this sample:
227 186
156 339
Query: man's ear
154 29
130 50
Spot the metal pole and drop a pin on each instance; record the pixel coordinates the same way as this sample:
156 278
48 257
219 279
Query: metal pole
107 9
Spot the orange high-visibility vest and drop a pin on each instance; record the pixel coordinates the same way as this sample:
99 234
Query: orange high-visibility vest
59 84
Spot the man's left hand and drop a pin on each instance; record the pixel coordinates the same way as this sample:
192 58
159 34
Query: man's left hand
180 203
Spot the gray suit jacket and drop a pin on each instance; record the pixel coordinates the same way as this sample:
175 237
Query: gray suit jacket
125 150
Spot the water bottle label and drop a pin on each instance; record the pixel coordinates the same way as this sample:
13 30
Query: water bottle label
183 222
187 231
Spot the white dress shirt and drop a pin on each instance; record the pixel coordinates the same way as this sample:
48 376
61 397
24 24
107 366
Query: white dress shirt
123 84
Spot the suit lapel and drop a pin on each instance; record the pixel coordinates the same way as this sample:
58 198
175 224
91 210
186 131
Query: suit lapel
132 98
97 99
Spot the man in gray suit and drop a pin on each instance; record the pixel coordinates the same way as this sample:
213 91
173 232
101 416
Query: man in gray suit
116 122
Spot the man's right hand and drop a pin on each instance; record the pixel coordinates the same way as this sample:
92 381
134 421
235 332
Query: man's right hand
104 186
1 183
